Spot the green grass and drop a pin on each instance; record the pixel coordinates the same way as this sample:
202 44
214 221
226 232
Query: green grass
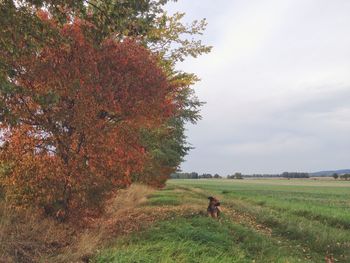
306 219
198 239
163 198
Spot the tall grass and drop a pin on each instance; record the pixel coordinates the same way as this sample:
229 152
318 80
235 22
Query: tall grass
25 236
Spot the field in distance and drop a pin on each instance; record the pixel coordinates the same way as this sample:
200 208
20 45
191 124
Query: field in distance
262 221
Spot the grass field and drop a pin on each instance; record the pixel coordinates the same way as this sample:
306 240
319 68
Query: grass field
262 221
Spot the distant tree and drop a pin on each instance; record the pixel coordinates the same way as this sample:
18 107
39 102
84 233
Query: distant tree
194 175
217 176
235 176
335 176
289 175
207 176
345 176
184 176
174 176
238 176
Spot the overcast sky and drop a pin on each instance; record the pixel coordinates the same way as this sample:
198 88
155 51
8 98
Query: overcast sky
277 86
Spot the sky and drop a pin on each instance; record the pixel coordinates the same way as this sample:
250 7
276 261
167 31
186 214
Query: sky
276 86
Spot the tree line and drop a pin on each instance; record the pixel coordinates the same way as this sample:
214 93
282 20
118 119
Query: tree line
238 175
194 175
341 176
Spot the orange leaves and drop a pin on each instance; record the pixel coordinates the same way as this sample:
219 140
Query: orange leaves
80 110
43 15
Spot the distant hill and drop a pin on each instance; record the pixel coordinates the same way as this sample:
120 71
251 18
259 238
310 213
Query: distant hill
330 173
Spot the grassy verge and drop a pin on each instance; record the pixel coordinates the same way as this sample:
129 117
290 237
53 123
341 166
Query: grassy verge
199 239
263 221
26 236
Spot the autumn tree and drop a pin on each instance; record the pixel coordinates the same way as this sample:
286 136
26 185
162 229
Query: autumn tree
57 74
72 123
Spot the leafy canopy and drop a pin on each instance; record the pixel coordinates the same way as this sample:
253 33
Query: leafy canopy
90 98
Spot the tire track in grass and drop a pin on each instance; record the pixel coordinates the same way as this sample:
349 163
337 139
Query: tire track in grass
247 220
244 225
237 216
251 223
335 222
141 217
294 230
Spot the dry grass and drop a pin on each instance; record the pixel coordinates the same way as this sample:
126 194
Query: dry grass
102 230
26 237
125 213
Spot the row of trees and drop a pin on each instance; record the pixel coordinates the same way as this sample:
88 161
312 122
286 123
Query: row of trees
342 176
262 175
283 175
90 100
235 176
295 175
194 175
238 175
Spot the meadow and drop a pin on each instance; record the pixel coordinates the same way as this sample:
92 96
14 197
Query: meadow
271 220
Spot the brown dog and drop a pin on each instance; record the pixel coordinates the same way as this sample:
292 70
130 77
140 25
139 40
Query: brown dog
213 207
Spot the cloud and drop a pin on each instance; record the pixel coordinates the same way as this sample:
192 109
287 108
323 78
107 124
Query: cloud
277 86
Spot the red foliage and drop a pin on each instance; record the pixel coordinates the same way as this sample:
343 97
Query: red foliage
77 115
